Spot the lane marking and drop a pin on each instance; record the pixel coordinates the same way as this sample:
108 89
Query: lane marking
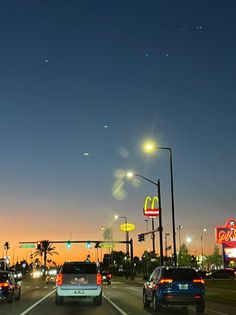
136 289
211 311
37 303
114 305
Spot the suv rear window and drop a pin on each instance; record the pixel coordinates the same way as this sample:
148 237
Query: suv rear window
180 274
79 268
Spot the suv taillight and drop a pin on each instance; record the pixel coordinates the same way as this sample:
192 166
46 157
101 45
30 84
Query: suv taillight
99 279
198 281
59 279
4 284
162 281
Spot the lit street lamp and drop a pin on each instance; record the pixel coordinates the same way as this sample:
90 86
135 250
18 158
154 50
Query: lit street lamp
127 232
149 147
204 230
158 185
188 240
179 228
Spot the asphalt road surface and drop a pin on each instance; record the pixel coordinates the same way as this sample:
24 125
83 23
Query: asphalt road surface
119 298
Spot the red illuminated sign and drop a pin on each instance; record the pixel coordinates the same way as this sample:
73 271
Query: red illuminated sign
149 208
227 234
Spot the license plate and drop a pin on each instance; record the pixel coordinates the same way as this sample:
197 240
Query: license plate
183 286
79 292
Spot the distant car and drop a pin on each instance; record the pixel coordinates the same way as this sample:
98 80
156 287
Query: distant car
79 279
10 288
106 277
226 273
37 273
51 275
174 286
205 274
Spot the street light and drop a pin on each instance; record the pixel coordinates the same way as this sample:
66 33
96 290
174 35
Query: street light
204 230
188 240
179 228
149 147
158 185
127 232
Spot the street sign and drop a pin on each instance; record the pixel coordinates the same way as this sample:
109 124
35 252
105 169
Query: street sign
27 245
107 245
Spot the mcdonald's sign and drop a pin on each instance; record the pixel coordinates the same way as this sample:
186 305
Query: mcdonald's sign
149 209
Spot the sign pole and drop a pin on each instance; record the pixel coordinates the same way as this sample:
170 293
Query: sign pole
160 222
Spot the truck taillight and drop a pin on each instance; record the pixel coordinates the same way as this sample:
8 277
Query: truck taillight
59 279
99 279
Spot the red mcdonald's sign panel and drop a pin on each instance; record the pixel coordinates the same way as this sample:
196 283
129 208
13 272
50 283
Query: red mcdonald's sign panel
227 234
149 209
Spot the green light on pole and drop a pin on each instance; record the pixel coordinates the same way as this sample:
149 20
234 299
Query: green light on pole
88 244
68 244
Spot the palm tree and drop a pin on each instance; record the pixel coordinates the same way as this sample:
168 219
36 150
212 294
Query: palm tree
45 249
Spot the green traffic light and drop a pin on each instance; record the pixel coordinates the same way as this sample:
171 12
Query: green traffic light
88 244
68 244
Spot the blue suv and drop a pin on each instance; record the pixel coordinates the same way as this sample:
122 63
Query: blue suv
174 286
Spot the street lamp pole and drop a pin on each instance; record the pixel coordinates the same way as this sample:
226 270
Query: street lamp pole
160 221
126 232
204 230
166 243
153 238
127 236
158 185
172 202
179 229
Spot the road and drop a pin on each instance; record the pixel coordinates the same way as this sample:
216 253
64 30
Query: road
120 298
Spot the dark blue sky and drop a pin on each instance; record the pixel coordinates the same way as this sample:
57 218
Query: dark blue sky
146 69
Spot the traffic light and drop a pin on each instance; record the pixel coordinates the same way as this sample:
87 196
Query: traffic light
141 237
97 245
88 244
68 244
38 245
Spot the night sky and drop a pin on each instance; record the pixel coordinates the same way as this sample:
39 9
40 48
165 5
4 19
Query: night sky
82 85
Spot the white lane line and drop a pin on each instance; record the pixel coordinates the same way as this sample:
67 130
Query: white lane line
114 305
37 303
136 289
216 312
211 311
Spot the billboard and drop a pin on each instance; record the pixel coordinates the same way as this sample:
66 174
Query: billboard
230 252
227 234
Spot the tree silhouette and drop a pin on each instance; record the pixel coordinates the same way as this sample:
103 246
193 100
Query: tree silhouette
45 249
184 257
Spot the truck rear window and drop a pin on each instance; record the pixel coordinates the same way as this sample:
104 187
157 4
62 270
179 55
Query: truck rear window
79 268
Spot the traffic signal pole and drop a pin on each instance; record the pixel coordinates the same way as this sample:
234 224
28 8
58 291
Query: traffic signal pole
129 243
